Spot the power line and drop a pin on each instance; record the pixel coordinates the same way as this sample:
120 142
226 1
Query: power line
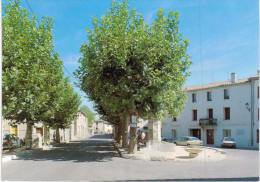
200 45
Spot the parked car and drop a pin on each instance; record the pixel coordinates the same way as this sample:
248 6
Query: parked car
228 142
11 141
188 140
166 139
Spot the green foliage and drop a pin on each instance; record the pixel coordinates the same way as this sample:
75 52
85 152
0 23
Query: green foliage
129 66
33 83
90 115
67 108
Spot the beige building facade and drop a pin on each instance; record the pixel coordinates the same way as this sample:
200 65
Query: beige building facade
77 130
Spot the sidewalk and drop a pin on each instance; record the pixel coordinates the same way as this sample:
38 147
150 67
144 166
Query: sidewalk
164 151
8 155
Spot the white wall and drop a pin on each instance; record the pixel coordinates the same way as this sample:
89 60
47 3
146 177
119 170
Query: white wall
79 127
240 117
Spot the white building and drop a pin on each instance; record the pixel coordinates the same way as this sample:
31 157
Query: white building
79 127
217 110
102 127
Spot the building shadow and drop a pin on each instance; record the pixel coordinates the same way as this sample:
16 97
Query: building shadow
98 150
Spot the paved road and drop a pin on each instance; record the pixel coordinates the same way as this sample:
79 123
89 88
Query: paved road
96 160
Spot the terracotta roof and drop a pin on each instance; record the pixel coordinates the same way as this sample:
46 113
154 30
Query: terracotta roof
220 84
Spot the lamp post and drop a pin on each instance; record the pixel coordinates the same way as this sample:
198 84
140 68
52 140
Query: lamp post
252 121
247 107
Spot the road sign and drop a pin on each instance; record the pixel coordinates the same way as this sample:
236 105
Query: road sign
133 119
133 125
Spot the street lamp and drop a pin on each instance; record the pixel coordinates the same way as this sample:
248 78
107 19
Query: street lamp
247 106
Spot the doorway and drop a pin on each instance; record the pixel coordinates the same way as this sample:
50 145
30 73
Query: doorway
210 136
40 131
195 133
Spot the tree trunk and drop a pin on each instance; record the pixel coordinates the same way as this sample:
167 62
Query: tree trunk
150 130
115 132
28 136
57 135
125 131
119 133
132 143
46 134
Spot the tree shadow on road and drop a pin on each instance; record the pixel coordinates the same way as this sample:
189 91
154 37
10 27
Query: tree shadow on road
97 149
200 179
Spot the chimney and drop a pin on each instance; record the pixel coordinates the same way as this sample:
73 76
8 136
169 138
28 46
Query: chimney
233 77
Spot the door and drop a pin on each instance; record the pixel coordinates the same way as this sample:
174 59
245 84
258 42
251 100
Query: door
195 133
210 136
40 131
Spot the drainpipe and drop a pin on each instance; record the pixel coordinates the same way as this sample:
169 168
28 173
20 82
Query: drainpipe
252 111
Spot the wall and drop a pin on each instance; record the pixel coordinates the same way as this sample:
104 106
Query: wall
79 127
240 116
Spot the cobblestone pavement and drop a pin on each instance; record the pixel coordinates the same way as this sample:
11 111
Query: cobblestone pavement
95 159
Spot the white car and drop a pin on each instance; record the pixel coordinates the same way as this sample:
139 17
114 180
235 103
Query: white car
188 140
228 142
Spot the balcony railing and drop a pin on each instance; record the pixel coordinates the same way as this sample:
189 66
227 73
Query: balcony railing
208 121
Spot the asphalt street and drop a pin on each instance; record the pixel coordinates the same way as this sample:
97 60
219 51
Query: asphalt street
95 159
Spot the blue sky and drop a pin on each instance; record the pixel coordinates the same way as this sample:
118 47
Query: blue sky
223 34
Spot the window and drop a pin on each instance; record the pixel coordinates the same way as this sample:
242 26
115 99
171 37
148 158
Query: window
194 97
209 97
226 94
227 113
194 115
226 133
257 136
174 134
210 113
174 119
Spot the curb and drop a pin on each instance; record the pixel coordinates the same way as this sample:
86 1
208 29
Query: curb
8 158
216 149
123 153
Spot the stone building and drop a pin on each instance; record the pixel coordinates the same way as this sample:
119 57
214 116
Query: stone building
78 130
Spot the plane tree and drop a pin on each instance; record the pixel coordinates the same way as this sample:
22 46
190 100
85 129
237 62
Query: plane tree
89 114
132 67
66 109
32 70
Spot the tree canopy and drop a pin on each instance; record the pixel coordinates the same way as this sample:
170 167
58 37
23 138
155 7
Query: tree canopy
34 86
90 115
67 107
129 66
